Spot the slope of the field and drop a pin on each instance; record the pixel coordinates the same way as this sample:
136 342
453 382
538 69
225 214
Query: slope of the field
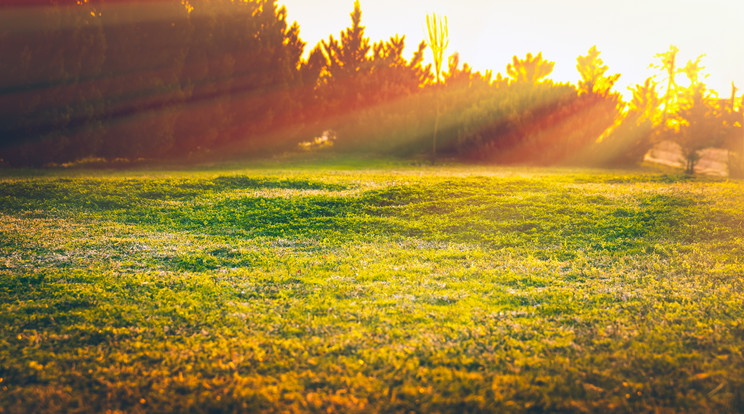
363 290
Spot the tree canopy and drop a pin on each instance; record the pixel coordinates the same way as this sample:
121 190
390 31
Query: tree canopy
191 78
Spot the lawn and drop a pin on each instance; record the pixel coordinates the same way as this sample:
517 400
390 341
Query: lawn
364 289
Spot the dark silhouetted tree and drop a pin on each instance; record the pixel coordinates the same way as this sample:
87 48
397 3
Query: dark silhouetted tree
142 77
366 93
50 101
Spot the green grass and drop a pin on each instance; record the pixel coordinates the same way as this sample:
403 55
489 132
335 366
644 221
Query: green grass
394 289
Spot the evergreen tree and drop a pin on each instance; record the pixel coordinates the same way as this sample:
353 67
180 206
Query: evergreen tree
347 66
364 91
141 76
151 79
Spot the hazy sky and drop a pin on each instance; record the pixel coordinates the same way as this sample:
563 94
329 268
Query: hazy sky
488 33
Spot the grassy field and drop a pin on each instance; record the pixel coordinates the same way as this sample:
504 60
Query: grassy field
393 289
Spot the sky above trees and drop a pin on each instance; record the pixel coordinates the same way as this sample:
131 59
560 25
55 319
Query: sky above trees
488 33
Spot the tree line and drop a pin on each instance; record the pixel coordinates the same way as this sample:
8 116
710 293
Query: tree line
177 78
144 79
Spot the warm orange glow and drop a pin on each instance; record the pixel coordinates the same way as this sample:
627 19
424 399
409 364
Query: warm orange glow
488 34
173 77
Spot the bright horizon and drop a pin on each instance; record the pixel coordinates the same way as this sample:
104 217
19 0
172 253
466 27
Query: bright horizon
487 34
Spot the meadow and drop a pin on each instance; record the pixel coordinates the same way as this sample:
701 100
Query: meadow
373 288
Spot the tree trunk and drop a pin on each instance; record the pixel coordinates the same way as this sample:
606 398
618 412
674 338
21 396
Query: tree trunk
692 159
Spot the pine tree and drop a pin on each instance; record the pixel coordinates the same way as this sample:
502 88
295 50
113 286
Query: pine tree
348 57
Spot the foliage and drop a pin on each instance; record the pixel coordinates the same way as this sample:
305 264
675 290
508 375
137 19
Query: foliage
368 93
625 143
734 141
668 64
96 79
46 97
461 88
692 116
645 101
223 78
530 121
376 290
592 71
633 132
698 120
531 69
347 66
701 125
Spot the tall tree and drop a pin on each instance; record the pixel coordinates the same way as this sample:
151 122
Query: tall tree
349 55
633 132
392 74
150 79
438 43
700 118
362 91
142 75
50 100
668 64
347 66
